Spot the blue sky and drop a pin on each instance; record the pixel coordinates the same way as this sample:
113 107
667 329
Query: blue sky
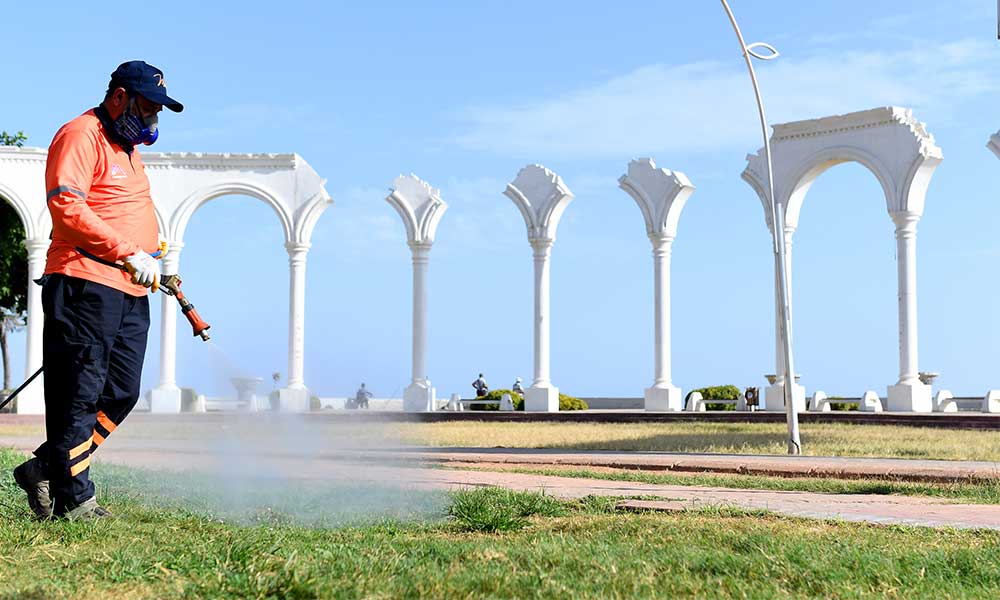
465 94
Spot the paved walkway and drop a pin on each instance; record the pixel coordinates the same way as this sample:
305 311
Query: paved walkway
939 471
406 468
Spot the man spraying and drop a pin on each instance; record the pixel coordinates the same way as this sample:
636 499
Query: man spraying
96 313
361 397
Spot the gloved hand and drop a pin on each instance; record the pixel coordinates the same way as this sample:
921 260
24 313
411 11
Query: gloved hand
144 269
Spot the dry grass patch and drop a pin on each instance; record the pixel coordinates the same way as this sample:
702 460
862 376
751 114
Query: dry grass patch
818 439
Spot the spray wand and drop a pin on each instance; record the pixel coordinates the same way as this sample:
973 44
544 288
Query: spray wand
169 285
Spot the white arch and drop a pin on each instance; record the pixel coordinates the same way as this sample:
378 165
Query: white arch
902 156
22 185
181 216
181 183
815 165
20 207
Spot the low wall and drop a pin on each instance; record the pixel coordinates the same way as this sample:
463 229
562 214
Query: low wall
615 403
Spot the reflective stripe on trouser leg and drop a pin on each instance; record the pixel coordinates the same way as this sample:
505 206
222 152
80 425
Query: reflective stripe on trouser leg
121 387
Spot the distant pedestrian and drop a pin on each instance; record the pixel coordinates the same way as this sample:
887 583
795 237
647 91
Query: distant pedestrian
481 388
361 397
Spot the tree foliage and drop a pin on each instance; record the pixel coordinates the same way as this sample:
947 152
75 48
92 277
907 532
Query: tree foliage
13 255
12 139
13 267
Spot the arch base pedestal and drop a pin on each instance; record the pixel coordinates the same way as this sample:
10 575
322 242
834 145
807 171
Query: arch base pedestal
774 398
419 396
165 400
909 397
541 399
660 399
293 400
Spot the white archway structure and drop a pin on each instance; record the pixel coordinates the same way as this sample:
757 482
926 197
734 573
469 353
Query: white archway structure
661 196
542 197
421 208
181 183
897 149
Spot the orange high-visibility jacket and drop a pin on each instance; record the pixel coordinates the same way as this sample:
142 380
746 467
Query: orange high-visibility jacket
98 196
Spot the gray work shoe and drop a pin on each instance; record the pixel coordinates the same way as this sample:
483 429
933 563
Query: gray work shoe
30 477
89 510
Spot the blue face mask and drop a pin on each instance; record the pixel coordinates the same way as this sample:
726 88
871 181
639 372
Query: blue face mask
135 129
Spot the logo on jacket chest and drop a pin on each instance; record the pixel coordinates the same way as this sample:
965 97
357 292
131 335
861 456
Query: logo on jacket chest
117 172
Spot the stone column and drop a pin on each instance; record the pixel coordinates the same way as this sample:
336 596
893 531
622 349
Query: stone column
421 208
909 393
419 395
295 396
542 396
660 195
31 401
542 197
542 251
166 396
663 395
774 395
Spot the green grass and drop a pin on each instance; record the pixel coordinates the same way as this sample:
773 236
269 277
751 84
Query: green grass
580 549
496 510
977 493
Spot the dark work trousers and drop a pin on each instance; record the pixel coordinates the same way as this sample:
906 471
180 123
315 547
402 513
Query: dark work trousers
94 342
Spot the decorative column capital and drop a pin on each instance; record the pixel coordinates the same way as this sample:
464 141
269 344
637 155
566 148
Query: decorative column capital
420 206
36 246
420 251
542 197
542 246
297 252
174 246
659 193
906 223
296 249
662 243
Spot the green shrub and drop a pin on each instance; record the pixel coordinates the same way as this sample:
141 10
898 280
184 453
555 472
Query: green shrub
843 406
719 392
494 397
571 403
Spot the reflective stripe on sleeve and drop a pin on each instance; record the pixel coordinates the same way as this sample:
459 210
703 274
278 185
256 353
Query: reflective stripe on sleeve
64 188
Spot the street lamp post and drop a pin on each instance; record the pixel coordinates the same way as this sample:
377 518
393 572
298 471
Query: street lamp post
778 234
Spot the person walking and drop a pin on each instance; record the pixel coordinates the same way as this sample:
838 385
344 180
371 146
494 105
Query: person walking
96 314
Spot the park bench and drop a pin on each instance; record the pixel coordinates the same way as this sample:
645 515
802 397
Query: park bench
458 403
696 403
869 402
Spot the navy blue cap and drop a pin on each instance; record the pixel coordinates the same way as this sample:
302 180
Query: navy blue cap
146 80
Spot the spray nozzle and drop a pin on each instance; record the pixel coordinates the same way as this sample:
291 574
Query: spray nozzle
171 286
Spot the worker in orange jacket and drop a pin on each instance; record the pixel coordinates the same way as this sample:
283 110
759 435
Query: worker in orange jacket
96 313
